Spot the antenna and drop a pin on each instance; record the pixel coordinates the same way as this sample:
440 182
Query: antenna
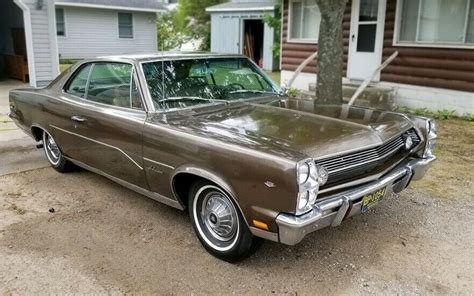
163 91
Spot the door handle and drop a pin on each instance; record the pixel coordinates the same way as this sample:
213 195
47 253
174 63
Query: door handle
353 37
78 118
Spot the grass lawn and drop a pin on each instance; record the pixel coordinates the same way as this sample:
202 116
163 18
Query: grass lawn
452 175
63 67
275 76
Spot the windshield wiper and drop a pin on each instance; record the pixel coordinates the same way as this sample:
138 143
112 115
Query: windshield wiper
253 91
191 98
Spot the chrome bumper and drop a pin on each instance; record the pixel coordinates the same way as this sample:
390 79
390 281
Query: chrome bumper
332 210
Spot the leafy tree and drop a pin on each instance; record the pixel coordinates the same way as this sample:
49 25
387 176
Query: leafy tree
330 51
192 19
274 22
169 37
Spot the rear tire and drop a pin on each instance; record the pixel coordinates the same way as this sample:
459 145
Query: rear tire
54 155
218 223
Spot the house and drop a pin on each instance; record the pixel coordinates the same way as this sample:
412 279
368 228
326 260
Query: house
238 27
34 34
435 41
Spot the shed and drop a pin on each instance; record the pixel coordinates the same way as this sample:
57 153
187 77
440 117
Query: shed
238 27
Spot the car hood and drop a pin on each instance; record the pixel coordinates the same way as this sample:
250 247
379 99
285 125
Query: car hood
297 129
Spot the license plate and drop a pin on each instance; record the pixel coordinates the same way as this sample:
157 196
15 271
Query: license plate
372 199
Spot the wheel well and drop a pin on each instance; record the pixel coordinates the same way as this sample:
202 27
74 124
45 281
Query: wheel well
182 184
37 133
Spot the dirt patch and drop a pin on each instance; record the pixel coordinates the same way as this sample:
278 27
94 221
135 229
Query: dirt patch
103 238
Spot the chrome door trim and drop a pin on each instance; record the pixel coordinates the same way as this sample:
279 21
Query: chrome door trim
98 142
159 163
150 194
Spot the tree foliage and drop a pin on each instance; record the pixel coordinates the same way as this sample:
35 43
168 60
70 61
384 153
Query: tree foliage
274 22
192 20
169 37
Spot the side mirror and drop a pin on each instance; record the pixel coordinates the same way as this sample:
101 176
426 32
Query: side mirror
283 89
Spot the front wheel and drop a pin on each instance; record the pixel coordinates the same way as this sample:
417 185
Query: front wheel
54 155
218 223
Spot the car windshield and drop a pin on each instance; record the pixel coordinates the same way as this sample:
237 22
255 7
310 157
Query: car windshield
184 83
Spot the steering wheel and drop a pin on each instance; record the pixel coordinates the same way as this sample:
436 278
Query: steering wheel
235 86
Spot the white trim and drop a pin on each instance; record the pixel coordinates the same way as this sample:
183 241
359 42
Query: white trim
396 32
238 9
53 40
29 41
113 7
431 98
303 81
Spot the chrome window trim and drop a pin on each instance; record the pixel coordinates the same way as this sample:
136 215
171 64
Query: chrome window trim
146 89
93 62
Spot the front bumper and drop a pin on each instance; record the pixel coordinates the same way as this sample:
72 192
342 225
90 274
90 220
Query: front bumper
332 210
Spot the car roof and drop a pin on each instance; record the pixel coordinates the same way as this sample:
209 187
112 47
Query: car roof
143 57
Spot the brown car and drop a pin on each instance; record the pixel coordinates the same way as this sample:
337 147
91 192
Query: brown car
211 133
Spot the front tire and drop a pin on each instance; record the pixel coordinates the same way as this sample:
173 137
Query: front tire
54 155
218 223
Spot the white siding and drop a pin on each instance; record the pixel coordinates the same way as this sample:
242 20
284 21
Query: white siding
94 32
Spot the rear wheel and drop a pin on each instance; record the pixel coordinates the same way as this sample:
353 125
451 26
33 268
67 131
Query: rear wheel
54 155
218 223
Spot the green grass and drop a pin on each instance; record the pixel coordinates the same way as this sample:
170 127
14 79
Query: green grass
275 76
63 67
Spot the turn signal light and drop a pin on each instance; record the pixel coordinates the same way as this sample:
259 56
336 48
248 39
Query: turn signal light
260 224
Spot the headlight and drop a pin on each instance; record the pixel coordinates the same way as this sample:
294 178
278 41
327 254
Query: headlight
303 173
432 134
309 178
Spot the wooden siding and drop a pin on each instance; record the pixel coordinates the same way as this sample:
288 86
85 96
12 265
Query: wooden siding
433 67
293 53
94 32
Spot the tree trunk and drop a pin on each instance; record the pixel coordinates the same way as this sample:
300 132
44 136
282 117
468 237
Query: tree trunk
330 52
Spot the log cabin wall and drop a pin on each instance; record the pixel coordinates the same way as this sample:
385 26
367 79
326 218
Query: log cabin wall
294 53
433 67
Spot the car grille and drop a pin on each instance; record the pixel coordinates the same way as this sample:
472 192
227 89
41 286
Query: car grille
350 166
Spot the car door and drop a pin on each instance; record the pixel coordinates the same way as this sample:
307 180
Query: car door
109 123
61 109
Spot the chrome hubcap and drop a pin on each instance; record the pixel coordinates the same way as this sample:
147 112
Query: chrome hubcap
219 216
53 149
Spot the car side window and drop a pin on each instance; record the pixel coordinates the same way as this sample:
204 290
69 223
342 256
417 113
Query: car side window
111 84
77 86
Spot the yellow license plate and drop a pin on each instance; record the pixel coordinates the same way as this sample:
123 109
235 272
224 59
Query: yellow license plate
372 199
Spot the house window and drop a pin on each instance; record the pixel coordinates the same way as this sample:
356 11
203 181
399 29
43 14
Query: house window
125 23
436 22
60 23
304 20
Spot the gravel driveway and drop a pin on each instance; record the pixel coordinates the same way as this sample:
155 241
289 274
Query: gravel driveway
103 238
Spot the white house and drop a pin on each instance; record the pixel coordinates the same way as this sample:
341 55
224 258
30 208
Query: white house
34 34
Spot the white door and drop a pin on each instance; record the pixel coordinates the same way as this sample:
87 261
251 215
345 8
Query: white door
366 38
225 34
